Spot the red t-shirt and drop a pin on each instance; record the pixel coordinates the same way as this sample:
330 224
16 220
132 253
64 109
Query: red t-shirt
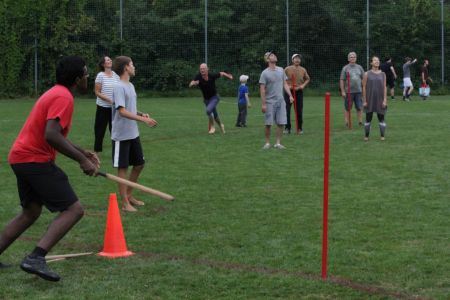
30 145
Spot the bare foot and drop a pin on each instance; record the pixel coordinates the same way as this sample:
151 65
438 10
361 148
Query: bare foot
128 207
135 201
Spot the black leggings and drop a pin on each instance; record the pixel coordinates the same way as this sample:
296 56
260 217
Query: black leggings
382 125
369 117
102 120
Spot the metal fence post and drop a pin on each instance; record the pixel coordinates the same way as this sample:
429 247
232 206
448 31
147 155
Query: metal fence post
442 44
287 32
367 35
206 31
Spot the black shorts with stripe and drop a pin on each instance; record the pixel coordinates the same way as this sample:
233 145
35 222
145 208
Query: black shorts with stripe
126 153
45 184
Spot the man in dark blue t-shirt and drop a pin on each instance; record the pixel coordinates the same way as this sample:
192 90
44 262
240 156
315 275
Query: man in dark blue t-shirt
207 84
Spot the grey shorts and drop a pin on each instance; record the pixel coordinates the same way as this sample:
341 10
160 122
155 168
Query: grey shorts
275 113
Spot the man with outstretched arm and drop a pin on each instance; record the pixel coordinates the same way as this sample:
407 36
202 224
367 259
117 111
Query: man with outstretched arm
207 83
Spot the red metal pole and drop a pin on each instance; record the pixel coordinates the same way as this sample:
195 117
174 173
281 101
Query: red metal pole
326 150
295 103
349 99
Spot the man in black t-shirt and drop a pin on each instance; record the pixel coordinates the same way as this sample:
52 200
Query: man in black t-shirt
425 77
207 84
388 68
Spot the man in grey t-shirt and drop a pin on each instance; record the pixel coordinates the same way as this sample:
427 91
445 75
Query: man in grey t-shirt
351 88
271 84
408 86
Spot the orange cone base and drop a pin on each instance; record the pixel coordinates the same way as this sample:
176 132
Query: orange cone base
116 254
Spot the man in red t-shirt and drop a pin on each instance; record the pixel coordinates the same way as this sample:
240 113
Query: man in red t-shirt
39 181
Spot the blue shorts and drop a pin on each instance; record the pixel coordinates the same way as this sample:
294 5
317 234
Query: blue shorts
45 184
354 98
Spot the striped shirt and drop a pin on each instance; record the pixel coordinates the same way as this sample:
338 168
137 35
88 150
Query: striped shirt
107 84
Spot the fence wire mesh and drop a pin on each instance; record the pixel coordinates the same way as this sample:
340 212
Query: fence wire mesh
167 40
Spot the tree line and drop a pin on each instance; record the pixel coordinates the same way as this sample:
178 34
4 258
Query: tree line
166 38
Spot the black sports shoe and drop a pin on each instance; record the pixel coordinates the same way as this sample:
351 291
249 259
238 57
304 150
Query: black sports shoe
3 266
37 265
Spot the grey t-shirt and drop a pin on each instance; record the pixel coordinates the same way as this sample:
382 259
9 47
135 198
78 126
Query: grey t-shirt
356 73
274 80
407 69
124 95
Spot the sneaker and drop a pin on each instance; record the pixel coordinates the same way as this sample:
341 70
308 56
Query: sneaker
408 99
366 139
212 130
37 265
266 146
382 138
287 131
279 146
222 128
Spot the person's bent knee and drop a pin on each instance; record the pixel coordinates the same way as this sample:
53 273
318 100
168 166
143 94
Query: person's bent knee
31 213
76 210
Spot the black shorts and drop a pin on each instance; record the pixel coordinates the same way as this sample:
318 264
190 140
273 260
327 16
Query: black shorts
126 153
390 82
45 184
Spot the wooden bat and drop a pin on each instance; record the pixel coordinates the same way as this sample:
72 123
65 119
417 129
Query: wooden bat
54 259
137 186
64 256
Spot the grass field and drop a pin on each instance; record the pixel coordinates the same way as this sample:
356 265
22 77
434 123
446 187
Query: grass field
247 222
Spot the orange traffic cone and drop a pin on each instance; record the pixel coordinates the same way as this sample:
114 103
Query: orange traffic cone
114 244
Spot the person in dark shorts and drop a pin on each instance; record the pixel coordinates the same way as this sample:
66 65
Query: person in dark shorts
126 145
207 83
388 68
350 83
40 181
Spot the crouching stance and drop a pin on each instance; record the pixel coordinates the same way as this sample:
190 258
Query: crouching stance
374 97
39 180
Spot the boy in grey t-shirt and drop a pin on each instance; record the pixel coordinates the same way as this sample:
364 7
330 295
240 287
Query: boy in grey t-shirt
127 149
271 84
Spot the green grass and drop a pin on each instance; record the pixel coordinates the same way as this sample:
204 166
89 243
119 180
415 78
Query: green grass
247 223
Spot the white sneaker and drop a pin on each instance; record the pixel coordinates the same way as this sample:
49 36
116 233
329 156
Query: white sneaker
266 146
279 146
212 130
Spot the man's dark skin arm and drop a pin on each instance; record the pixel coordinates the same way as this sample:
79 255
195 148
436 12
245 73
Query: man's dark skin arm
55 138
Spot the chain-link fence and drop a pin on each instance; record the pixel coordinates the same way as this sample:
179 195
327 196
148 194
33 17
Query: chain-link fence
167 40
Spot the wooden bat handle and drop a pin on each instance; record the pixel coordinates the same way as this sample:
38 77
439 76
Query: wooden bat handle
63 256
137 186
